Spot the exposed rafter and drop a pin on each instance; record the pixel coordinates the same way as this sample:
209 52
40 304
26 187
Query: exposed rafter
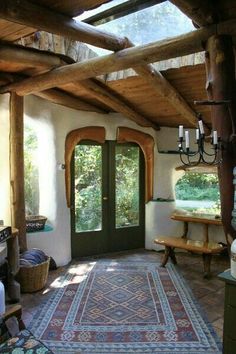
55 95
68 100
201 12
124 59
110 98
12 54
15 54
166 90
42 18
20 55
163 87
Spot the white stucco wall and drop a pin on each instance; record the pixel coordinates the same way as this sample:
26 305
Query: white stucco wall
52 123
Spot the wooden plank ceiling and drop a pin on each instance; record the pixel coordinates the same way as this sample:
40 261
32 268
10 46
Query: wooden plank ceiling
10 31
72 7
188 80
131 89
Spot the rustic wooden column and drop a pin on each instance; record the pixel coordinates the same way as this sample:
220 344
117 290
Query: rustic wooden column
17 167
220 67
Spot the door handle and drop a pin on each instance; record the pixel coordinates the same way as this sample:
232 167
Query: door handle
105 198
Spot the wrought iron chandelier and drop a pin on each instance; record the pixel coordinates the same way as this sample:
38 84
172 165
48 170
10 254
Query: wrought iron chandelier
193 158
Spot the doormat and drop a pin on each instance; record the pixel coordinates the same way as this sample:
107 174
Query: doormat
124 307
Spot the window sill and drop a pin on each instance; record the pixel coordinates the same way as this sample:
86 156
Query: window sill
47 228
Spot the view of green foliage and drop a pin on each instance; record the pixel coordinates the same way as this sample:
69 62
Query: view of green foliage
31 172
88 187
127 185
88 190
199 186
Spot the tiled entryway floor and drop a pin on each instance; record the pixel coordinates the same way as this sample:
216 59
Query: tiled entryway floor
209 292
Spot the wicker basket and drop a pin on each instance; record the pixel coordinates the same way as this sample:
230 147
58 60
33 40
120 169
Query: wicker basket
35 222
33 278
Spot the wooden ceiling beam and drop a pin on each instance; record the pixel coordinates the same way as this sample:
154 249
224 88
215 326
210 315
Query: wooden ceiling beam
16 54
26 56
31 57
42 18
113 100
124 59
163 87
178 46
201 12
55 95
62 98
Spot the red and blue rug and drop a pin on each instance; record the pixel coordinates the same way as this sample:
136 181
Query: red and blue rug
120 307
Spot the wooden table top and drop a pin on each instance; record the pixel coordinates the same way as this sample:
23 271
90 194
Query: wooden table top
197 219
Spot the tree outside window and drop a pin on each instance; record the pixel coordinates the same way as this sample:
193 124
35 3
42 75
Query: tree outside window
31 171
198 193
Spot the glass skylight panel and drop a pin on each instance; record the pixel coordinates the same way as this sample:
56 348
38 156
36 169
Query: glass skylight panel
154 23
99 9
151 24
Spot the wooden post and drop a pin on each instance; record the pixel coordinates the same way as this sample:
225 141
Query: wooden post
221 85
17 168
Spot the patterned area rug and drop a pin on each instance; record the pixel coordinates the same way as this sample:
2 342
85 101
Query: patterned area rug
124 307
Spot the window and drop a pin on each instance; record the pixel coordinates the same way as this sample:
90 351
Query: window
147 25
198 192
31 172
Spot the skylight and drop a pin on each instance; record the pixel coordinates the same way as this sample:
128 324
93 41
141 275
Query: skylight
148 25
100 9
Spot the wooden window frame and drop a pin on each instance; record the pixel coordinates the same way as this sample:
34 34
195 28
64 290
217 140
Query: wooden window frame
72 139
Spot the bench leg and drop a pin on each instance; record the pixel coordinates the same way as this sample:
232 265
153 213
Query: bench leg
172 256
169 252
207 265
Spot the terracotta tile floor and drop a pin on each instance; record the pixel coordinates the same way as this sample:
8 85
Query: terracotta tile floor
210 293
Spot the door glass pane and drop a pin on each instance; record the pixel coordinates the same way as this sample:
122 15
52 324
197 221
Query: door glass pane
88 188
127 186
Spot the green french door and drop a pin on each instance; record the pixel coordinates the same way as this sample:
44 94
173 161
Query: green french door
108 195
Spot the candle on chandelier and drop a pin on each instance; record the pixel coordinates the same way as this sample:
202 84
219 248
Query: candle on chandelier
215 137
181 131
200 123
187 139
197 134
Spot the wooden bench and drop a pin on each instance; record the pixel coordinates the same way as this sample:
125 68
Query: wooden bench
205 247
